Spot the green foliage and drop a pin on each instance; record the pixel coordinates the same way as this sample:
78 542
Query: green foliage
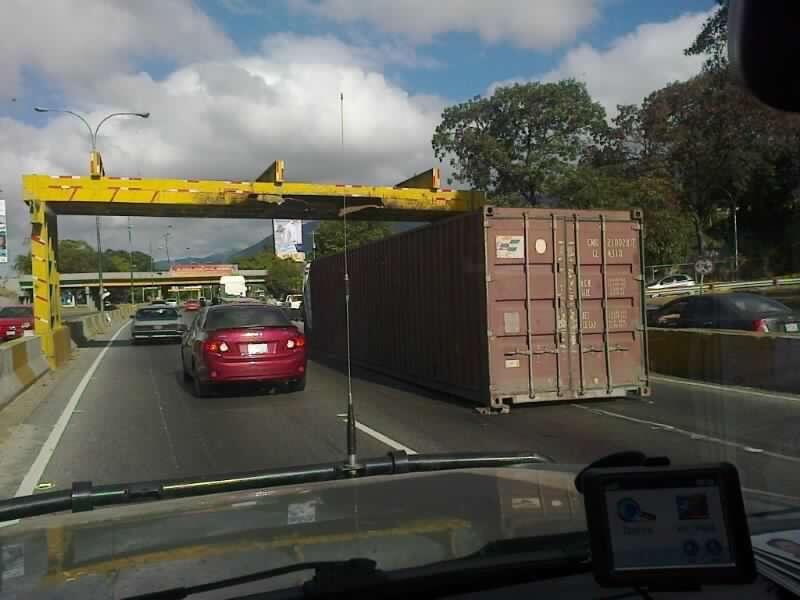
668 229
77 256
22 264
712 40
330 235
284 276
514 143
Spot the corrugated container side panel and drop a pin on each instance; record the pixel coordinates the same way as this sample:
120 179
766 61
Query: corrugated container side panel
417 305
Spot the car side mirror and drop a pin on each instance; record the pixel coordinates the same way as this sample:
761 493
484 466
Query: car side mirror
133 316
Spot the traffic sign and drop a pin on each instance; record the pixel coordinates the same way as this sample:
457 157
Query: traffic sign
703 266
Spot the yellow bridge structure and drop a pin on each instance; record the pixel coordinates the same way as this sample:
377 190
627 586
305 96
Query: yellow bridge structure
419 198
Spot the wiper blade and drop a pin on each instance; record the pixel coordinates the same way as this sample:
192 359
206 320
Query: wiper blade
363 568
83 496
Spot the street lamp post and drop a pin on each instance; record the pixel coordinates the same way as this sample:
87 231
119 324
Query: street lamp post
735 244
130 259
95 169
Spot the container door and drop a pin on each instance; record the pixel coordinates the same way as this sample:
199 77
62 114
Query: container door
564 317
606 327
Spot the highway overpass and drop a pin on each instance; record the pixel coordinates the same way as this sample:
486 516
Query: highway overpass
146 283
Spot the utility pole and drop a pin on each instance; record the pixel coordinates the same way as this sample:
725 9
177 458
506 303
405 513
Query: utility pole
130 259
100 270
735 244
166 247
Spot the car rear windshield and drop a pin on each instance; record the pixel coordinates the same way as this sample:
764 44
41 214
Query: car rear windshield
246 316
757 304
157 314
11 312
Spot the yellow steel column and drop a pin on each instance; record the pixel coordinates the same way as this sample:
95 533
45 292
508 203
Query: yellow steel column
45 280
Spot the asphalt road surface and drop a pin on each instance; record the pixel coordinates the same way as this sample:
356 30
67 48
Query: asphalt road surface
134 418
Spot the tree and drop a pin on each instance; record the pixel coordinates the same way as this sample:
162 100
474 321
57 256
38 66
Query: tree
330 235
284 276
667 227
77 256
22 264
514 143
712 41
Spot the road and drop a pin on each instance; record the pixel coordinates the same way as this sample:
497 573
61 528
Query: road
134 418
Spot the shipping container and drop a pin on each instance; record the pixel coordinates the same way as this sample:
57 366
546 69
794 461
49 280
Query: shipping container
501 306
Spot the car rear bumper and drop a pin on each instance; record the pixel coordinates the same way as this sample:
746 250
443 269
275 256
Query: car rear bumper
146 335
272 369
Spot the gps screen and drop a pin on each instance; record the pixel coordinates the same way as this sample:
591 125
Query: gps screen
668 527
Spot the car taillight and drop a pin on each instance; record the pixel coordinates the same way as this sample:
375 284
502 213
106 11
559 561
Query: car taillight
297 342
216 347
27 325
760 325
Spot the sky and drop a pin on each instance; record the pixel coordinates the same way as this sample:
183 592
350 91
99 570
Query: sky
231 85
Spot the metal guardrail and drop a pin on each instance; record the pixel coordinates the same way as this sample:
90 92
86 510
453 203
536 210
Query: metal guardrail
725 286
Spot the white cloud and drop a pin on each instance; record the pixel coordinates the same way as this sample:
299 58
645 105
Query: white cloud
540 24
228 119
634 64
72 43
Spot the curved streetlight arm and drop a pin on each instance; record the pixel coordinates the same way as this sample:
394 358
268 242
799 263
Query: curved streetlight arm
92 134
118 114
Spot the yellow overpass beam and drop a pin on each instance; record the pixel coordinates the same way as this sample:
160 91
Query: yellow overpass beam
274 173
429 179
75 195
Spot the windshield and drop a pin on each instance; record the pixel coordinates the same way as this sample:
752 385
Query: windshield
545 226
750 303
241 316
13 312
157 314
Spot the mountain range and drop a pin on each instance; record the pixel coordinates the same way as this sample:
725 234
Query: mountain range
231 256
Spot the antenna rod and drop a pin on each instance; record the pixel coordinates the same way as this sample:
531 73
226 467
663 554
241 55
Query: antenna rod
351 412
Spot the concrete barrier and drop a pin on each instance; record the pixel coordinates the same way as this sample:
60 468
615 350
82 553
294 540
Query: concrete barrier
727 357
85 329
22 362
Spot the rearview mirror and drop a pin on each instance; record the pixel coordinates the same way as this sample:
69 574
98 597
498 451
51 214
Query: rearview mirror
762 49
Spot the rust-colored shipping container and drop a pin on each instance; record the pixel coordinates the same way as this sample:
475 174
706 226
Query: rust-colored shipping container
501 306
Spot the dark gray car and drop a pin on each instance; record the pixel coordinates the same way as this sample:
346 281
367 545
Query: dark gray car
739 310
157 322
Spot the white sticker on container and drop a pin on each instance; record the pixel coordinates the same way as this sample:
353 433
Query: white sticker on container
540 246
511 322
509 246
12 561
512 363
303 512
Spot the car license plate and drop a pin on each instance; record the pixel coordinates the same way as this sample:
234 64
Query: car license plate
156 327
792 327
257 348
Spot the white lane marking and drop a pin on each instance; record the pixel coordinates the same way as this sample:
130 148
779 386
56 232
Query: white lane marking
383 439
40 464
775 495
690 434
725 388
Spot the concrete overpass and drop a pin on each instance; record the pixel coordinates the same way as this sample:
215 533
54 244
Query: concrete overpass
83 286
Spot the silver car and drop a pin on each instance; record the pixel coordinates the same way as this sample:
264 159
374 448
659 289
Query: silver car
157 322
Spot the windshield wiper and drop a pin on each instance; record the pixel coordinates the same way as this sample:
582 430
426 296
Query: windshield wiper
497 563
363 570
83 496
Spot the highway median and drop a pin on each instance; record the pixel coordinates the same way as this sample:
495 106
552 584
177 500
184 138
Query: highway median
21 363
727 357
84 330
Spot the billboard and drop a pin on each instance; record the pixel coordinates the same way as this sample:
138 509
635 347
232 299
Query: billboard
288 236
3 233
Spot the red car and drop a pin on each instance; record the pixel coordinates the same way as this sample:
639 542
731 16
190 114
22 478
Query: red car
231 343
191 304
15 320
